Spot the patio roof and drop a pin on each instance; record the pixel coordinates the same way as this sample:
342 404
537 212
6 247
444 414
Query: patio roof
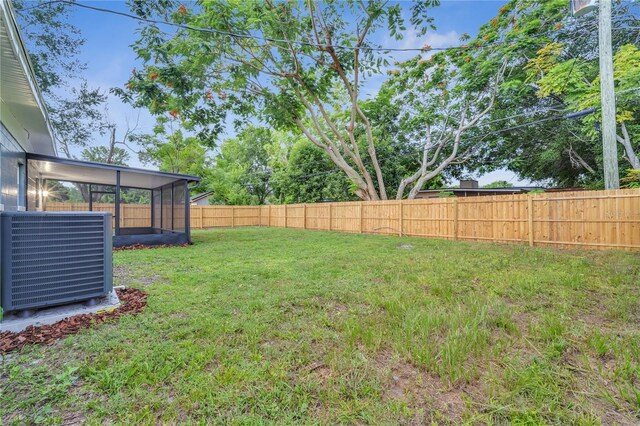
69 170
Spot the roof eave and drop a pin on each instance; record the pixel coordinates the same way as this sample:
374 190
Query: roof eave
13 29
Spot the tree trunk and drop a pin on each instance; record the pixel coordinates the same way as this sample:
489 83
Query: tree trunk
625 140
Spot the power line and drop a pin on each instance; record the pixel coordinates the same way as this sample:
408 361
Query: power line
627 90
524 114
235 35
566 82
269 39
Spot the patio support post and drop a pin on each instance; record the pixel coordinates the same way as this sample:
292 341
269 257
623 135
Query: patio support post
118 202
161 209
152 209
43 205
90 198
187 212
26 184
173 206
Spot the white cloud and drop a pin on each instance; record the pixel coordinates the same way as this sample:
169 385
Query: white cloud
448 39
413 41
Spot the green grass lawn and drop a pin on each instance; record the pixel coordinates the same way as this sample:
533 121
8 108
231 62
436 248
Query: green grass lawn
265 325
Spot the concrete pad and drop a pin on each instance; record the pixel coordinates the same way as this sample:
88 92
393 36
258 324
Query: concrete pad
56 313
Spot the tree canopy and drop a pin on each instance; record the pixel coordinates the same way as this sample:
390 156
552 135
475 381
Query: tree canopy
241 173
294 65
555 71
289 77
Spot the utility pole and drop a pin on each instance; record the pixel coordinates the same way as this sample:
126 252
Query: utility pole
607 98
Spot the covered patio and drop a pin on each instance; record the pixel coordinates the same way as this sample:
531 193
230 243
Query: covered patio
169 222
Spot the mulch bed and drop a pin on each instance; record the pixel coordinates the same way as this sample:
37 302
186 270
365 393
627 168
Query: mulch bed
132 301
142 246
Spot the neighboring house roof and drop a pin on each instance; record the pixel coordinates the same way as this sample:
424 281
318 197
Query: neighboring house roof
198 197
19 92
427 193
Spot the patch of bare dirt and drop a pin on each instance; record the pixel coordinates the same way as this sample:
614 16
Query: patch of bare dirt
405 246
593 320
425 392
522 319
333 308
180 315
149 279
590 386
212 365
122 276
73 418
320 370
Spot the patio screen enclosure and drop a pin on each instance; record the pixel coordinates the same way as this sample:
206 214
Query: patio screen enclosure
167 195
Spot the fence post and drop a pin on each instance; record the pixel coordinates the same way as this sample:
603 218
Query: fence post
269 217
530 211
304 215
455 219
618 228
401 218
361 220
330 224
201 218
233 216
285 215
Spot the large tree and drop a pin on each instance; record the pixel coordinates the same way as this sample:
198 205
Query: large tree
294 65
444 100
554 71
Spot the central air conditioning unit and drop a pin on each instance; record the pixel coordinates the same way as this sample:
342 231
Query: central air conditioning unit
52 259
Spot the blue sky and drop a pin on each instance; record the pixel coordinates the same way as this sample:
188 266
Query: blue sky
110 59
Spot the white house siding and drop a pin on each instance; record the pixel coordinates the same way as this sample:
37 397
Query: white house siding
11 156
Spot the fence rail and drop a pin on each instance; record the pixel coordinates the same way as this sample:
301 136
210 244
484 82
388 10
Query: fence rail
589 219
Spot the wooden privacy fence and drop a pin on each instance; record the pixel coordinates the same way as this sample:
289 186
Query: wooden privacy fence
131 215
590 219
